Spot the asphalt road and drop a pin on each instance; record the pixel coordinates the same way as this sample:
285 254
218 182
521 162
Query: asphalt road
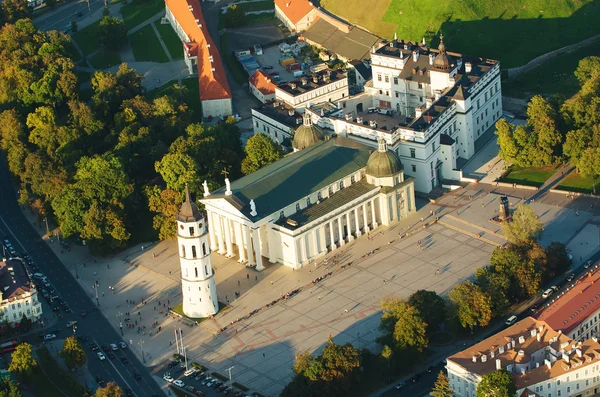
94 325
64 12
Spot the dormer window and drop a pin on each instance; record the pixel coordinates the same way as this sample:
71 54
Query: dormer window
281 215
352 179
297 207
319 196
330 191
307 201
341 185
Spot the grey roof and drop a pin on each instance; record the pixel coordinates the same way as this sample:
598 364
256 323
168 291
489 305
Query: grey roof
446 139
281 113
383 164
362 69
329 204
295 176
189 211
355 44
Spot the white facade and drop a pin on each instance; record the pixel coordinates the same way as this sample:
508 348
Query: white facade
217 108
197 276
266 123
19 297
263 98
301 23
300 93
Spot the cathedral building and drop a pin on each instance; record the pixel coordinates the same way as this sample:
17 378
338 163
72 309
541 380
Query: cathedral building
330 191
197 276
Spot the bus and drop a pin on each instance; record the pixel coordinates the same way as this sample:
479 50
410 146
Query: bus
8 347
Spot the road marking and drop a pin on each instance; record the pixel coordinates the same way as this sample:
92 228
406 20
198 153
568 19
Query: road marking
115 368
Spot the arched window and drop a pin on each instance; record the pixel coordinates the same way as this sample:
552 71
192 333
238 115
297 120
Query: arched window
206 270
297 206
203 249
183 250
193 251
196 271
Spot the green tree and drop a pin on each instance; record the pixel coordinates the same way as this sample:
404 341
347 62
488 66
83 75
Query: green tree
179 169
73 353
589 164
473 305
431 307
338 362
110 390
113 33
497 285
587 68
165 204
387 354
509 149
22 362
442 388
542 120
111 89
404 324
8 388
498 384
234 16
260 151
13 10
524 227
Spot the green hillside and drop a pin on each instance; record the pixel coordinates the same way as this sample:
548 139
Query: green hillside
513 31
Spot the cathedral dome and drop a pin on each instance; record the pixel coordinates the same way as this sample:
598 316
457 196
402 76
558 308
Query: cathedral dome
383 163
307 134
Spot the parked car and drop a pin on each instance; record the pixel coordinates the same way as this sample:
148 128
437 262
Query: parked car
570 277
123 345
168 378
71 324
268 67
179 383
137 376
416 378
547 293
94 347
101 356
587 264
114 347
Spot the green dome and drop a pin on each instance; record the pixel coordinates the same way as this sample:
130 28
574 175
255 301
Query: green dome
383 164
307 134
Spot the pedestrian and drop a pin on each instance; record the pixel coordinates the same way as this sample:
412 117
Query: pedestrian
103 294
238 283
346 311
264 355
271 282
255 278
247 276
154 254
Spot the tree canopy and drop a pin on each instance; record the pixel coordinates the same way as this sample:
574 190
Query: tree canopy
110 390
498 383
113 33
404 324
473 305
72 353
524 227
260 151
442 388
431 307
22 362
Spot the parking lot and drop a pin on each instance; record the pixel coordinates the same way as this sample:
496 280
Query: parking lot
196 381
247 36
270 58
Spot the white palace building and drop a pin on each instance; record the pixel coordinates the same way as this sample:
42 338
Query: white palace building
430 106
328 192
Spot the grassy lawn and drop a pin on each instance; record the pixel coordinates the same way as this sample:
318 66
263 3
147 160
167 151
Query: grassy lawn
88 38
105 59
258 18
236 69
559 71
138 12
529 176
146 47
512 31
171 40
574 182
43 387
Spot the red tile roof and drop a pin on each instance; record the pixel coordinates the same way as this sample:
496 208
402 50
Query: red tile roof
295 10
575 306
211 75
262 82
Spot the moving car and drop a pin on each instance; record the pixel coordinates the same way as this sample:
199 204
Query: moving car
168 378
49 336
179 383
101 356
570 277
511 320
114 347
137 376
124 360
123 345
71 323
416 378
400 385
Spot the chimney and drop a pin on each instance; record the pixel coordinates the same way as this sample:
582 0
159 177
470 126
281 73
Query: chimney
521 352
578 351
428 102
513 343
594 339
565 357
291 112
315 79
539 337
468 67
548 363
521 339
431 58
438 94
304 81
483 358
293 86
348 116
474 358
287 4
418 112
492 354
359 120
501 350
298 120
373 123
498 364
415 55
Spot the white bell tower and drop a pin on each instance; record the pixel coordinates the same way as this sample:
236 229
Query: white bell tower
197 276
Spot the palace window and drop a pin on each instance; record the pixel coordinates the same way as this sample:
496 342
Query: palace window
319 196
378 76
396 80
196 271
203 249
193 251
341 185
281 215
191 230
414 168
183 250
297 207
307 201
352 179
387 78
413 153
420 85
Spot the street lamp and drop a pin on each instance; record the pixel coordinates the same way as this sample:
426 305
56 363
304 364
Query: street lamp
230 381
185 356
141 343
74 329
95 287
120 323
47 228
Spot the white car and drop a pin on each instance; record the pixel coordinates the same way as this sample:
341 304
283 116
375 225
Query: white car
101 356
123 345
49 337
189 372
114 347
168 378
179 383
547 293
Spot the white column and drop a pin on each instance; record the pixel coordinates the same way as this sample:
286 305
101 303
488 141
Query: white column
314 240
239 240
358 233
272 244
299 252
228 242
374 220
365 218
303 251
342 240
256 241
349 226
323 239
220 241
332 236
248 244
211 234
